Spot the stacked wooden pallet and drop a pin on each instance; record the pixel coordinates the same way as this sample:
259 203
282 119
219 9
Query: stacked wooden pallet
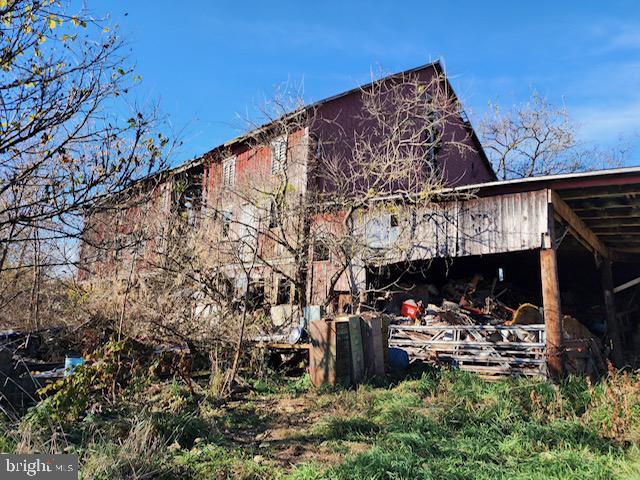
484 349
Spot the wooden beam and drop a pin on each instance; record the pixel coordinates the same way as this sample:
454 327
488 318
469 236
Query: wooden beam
613 329
600 192
626 285
282 346
552 311
626 212
612 211
613 222
610 204
576 226
626 255
628 250
622 240
617 231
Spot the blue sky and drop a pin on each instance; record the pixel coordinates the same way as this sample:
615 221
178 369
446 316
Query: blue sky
208 61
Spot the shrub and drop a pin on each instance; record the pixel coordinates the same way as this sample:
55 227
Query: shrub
92 387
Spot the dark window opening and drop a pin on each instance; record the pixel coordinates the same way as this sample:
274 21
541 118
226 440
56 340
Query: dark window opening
226 223
188 195
273 215
320 251
393 221
284 292
225 286
255 299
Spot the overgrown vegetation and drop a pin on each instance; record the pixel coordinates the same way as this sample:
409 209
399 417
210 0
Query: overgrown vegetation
436 424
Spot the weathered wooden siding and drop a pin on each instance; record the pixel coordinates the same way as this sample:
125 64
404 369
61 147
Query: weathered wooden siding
505 223
479 226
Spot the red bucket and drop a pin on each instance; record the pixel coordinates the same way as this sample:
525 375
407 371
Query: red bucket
409 309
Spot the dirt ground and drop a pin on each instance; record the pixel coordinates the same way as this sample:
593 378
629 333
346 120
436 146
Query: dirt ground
281 429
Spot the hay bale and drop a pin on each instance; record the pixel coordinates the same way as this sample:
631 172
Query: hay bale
526 314
575 330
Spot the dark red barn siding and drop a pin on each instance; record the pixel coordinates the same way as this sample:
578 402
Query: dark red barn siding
337 120
254 161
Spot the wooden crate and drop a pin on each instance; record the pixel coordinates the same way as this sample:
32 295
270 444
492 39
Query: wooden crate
373 346
345 350
330 353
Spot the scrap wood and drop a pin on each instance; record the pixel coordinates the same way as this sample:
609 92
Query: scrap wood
475 311
453 317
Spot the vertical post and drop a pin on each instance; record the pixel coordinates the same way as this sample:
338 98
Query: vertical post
551 295
552 311
613 331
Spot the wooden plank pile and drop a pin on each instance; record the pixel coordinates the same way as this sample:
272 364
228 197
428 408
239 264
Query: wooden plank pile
467 331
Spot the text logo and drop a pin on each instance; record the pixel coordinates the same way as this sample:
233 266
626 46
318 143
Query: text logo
36 466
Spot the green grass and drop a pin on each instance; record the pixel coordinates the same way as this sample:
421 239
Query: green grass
456 426
440 425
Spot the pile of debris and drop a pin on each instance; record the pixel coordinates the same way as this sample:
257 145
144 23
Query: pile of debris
487 329
466 302
28 360
472 301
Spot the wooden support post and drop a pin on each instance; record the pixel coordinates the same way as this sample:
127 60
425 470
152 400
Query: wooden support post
552 311
613 330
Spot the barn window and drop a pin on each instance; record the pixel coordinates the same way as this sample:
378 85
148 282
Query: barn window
278 154
255 295
187 195
284 292
229 172
226 223
273 215
433 140
320 250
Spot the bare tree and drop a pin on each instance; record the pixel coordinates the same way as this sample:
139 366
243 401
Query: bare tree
539 138
326 196
381 181
68 134
182 281
227 243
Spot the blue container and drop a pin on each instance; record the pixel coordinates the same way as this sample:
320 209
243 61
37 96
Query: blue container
398 359
70 364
